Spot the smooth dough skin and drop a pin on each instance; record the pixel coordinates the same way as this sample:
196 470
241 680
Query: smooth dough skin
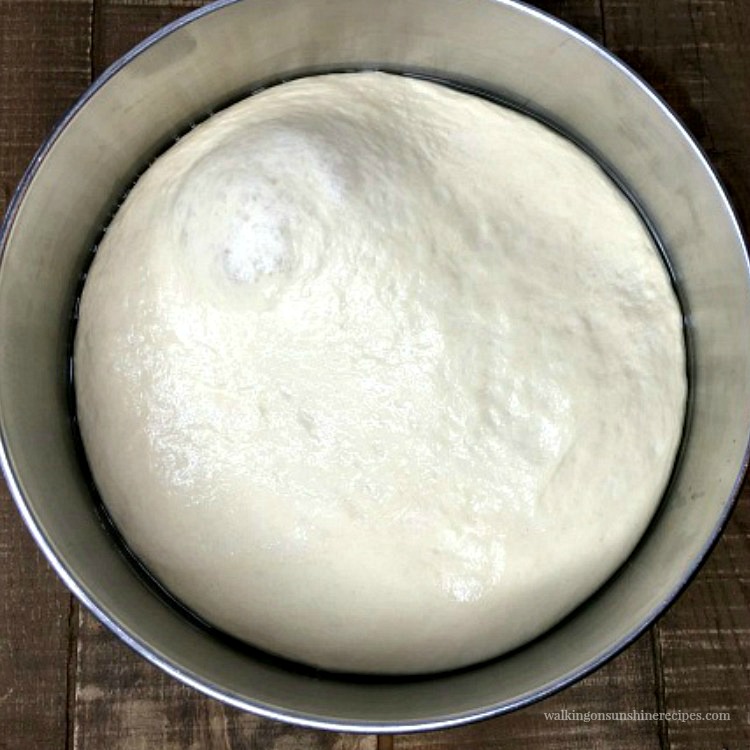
379 376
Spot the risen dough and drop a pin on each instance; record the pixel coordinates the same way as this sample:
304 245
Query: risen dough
379 376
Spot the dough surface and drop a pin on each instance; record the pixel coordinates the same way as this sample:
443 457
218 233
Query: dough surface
377 375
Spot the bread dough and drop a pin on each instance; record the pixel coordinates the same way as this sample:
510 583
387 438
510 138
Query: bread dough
379 376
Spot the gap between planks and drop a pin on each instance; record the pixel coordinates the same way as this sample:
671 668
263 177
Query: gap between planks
72 673
73 610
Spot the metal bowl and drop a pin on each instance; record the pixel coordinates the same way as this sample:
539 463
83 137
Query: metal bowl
226 50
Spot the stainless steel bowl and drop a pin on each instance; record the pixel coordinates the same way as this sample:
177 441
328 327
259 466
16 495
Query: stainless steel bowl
228 49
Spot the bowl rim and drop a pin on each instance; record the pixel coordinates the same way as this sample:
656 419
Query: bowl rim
311 721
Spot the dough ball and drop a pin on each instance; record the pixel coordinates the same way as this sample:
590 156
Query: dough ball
379 376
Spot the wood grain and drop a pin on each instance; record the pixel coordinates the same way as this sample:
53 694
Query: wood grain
120 24
584 15
34 612
704 642
44 63
125 703
626 683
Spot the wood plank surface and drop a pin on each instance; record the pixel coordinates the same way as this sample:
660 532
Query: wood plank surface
704 642
34 612
66 682
626 683
125 703
121 24
44 65
584 15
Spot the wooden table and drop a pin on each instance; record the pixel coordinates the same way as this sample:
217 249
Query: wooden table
65 682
